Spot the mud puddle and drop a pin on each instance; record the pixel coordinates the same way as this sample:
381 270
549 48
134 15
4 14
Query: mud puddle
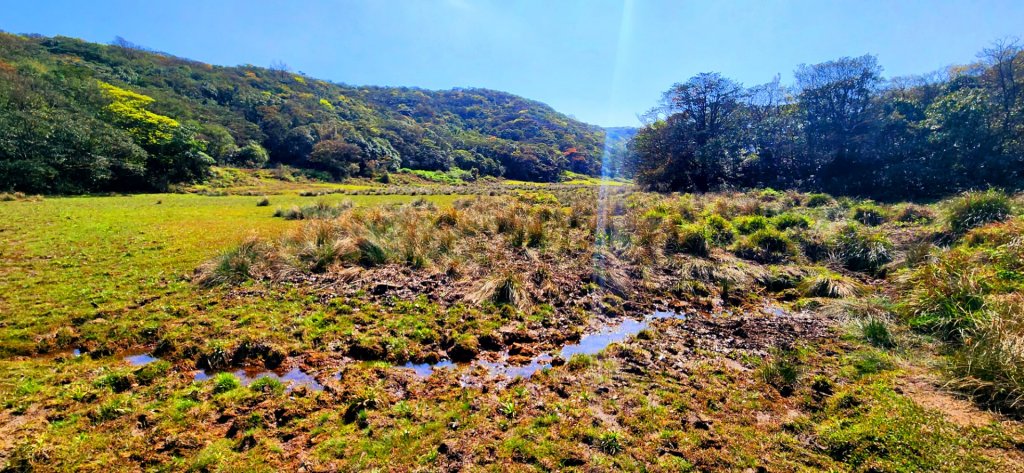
291 378
589 344
140 359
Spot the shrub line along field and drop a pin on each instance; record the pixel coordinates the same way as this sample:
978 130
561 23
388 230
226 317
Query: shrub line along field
265 325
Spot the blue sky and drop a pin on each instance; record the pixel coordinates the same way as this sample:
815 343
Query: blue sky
600 61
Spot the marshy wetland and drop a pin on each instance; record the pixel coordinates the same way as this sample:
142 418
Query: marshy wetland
513 328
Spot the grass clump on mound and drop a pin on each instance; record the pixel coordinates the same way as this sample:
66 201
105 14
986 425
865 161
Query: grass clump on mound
749 224
503 289
828 284
720 231
691 239
788 220
860 249
235 265
972 296
869 214
819 200
320 209
783 371
974 209
766 246
947 296
990 362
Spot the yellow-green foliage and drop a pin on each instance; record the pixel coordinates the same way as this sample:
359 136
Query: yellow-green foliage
128 109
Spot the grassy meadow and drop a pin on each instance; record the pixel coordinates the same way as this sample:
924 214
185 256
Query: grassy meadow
810 333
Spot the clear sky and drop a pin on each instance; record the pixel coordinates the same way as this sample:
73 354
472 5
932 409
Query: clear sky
601 61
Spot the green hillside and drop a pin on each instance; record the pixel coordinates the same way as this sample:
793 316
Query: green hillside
83 117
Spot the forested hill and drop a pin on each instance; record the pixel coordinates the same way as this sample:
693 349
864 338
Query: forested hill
80 117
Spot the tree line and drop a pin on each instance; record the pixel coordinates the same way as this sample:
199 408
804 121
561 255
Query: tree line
843 129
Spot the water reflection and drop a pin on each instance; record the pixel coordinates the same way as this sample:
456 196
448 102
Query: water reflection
140 359
426 369
292 378
590 344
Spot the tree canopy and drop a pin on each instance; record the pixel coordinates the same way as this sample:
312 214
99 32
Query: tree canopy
842 128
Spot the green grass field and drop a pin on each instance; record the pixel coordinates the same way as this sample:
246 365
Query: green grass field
101 257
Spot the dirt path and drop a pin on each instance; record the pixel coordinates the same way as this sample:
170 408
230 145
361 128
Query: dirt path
926 390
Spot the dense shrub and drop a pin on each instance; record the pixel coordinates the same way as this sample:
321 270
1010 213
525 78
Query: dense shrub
252 155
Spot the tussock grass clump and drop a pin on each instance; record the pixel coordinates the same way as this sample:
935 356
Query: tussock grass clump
610 443
152 372
263 202
235 265
869 214
117 381
691 239
766 246
974 209
749 224
319 210
859 249
536 235
990 363
825 283
720 231
580 361
224 382
782 371
914 214
506 288
780 278
448 218
818 200
995 234
788 220
876 332
19 196
972 297
368 253
701 269
914 254
947 296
